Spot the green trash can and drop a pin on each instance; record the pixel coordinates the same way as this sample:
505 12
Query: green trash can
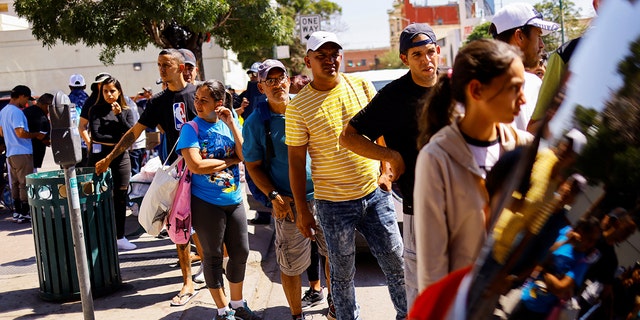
54 241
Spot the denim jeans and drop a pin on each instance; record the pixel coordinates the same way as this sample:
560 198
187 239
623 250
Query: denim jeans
375 217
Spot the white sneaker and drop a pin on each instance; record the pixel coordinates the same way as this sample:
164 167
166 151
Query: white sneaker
124 244
199 276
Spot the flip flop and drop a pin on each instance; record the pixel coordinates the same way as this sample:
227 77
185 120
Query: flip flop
183 298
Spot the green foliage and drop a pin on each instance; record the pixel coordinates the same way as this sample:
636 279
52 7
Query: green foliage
288 10
612 153
240 25
481 31
391 60
550 10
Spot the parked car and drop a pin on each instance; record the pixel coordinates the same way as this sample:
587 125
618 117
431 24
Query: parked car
381 78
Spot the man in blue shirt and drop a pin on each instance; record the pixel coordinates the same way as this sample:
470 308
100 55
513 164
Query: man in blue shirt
266 159
14 128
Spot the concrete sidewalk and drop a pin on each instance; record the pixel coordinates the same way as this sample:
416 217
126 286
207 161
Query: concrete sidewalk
150 277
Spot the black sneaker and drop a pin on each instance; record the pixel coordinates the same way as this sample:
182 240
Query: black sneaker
312 298
245 313
331 314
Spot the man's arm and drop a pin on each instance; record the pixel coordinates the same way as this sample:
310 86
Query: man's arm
298 180
359 144
123 145
281 208
21 133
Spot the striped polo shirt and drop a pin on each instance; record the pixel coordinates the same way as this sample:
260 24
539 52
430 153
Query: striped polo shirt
316 119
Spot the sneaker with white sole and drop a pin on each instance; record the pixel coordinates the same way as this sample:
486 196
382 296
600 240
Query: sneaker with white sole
124 244
312 298
20 218
199 276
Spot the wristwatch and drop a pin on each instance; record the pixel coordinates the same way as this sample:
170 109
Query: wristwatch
273 194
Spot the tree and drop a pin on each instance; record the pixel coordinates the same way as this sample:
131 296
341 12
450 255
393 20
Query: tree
481 31
239 25
391 60
288 10
550 10
612 153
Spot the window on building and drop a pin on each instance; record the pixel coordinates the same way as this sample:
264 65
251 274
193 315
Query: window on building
350 63
363 62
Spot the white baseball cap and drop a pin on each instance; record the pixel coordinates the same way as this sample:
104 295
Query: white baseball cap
318 38
520 14
76 80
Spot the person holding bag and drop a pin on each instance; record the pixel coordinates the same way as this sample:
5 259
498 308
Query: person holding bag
212 154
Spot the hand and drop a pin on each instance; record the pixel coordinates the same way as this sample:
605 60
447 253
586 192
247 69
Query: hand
395 166
225 115
386 176
282 208
40 136
116 108
305 222
102 166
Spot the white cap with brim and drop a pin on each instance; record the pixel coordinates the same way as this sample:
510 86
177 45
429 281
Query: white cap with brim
519 14
318 38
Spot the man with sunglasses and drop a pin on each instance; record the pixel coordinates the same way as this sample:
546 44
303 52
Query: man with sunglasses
346 186
520 25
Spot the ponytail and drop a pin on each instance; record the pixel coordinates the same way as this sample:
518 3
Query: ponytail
437 110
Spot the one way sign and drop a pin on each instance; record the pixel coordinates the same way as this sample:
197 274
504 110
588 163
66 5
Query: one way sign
308 25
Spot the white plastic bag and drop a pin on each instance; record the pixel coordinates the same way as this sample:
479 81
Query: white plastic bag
158 199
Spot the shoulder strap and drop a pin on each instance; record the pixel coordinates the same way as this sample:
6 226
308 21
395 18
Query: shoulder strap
268 143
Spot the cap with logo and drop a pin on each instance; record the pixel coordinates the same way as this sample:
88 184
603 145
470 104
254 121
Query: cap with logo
520 14
266 66
189 57
22 90
412 31
76 80
318 38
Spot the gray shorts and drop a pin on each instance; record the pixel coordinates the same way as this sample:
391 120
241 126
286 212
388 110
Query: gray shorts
293 250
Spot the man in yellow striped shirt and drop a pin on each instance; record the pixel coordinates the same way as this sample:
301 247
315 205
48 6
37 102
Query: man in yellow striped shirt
347 192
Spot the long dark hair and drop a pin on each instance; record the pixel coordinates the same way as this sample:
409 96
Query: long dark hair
218 91
121 100
482 60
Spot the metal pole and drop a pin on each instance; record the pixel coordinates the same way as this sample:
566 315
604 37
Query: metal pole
561 22
79 249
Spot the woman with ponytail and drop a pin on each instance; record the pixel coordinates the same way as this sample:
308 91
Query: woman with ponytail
464 128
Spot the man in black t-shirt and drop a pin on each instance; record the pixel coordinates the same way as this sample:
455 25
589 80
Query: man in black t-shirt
38 122
392 115
170 110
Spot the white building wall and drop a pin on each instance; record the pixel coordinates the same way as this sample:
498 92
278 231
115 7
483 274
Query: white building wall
26 61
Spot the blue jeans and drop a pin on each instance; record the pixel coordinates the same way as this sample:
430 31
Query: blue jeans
375 217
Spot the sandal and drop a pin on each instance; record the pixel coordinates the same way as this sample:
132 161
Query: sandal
183 299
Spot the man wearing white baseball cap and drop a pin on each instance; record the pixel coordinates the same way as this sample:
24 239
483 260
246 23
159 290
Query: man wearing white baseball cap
347 191
521 25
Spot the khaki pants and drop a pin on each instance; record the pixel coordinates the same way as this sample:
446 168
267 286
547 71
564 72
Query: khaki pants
21 165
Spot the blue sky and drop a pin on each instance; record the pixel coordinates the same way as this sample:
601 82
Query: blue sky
365 22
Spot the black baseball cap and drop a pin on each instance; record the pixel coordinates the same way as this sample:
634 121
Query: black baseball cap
413 30
23 91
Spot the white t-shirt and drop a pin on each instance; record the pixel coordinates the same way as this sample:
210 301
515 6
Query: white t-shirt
531 88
